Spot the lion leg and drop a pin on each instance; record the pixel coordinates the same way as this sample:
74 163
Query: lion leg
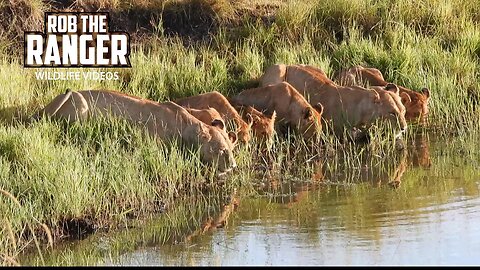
346 78
52 107
71 106
74 109
273 75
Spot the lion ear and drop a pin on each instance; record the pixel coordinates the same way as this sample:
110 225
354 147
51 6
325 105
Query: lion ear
249 119
232 136
203 133
426 92
376 99
274 116
256 119
218 123
319 107
405 98
308 113
392 88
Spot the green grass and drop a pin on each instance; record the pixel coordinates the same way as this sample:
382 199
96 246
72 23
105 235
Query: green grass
108 172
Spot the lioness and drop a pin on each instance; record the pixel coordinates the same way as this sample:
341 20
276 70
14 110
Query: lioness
291 108
263 126
420 153
348 107
164 121
416 103
208 116
218 101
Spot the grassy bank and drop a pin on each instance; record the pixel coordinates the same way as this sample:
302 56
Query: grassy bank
354 195
105 172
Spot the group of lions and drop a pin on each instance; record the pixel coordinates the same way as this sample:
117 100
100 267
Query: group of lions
294 97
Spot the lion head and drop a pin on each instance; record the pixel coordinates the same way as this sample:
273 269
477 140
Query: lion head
310 121
416 103
217 146
263 126
388 106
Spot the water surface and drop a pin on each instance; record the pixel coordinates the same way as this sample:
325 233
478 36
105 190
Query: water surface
418 208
